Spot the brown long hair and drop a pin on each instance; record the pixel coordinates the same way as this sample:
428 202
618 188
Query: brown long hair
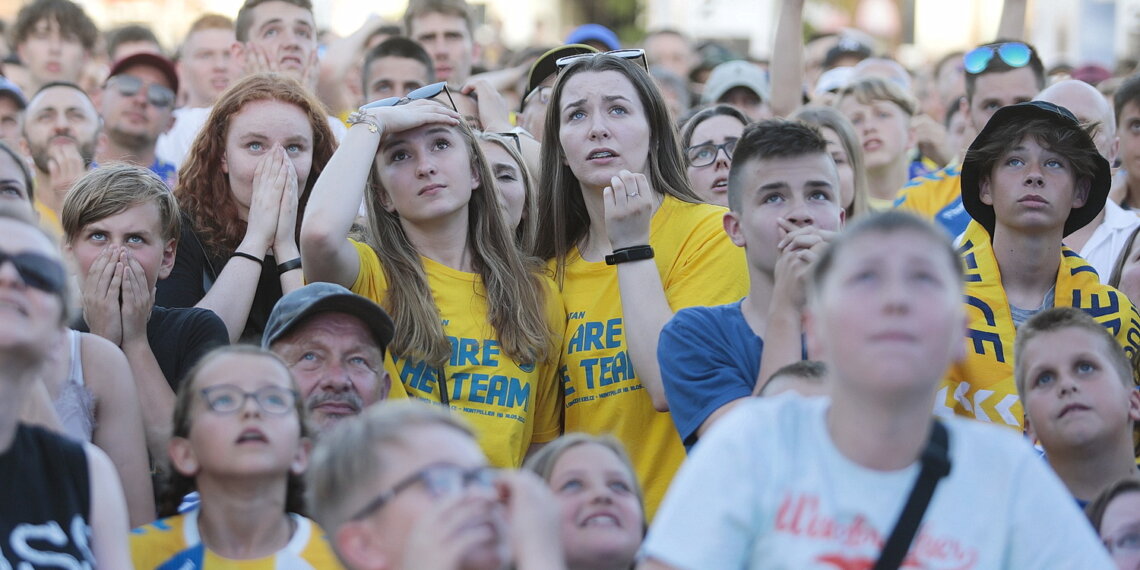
512 284
562 209
203 190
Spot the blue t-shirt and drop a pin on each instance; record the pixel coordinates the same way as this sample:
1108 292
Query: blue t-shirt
709 356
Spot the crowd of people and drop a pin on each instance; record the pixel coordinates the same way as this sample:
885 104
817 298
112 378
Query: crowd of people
279 299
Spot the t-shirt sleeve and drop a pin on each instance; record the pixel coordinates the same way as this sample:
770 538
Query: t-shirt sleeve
184 287
709 270
370 280
1066 541
700 370
708 517
204 332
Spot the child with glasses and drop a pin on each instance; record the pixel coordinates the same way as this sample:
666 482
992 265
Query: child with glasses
241 440
477 323
406 485
708 138
60 500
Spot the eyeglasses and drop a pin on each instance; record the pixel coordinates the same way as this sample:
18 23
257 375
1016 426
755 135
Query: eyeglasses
128 85
705 154
38 271
638 54
425 92
1128 541
227 399
1014 54
513 137
440 480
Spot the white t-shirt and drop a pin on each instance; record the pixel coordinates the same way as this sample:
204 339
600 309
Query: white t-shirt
767 488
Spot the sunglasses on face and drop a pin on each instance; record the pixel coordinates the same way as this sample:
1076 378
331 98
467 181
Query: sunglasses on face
633 54
129 85
440 480
705 154
426 92
38 271
1014 54
227 399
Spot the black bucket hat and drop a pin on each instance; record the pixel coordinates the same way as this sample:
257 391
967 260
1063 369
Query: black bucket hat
1022 112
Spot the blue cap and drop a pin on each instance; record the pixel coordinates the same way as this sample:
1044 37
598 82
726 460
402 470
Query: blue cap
594 32
12 90
300 304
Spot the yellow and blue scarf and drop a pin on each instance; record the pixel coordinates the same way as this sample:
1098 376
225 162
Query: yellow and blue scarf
982 385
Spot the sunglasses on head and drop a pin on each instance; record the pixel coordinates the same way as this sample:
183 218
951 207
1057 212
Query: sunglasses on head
129 85
426 92
37 271
1014 54
634 54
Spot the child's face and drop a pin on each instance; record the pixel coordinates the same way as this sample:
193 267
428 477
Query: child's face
883 128
137 230
802 190
889 315
1032 188
1120 526
1073 396
251 440
601 513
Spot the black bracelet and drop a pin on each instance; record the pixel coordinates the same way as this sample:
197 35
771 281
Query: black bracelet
634 253
285 267
248 256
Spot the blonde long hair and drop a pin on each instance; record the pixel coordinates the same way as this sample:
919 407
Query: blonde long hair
512 284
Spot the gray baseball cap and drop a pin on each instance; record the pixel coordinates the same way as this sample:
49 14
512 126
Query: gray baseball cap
292 309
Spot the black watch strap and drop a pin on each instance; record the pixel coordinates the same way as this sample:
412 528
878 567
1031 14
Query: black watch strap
635 253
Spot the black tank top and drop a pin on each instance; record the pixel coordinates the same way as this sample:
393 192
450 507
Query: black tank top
45 502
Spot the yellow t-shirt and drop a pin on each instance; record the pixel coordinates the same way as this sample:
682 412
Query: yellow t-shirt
510 405
698 266
49 219
174 544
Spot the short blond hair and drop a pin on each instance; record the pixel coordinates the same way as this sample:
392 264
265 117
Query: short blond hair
111 189
352 453
1060 318
867 90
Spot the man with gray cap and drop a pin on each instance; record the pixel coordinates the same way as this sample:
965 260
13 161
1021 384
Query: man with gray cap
333 341
741 84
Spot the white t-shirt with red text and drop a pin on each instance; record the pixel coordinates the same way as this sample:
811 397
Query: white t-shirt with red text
767 488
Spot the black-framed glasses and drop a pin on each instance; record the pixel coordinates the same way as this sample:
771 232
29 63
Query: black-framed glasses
513 137
426 92
159 96
440 480
704 154
1014 54
38 271
632 54
227 399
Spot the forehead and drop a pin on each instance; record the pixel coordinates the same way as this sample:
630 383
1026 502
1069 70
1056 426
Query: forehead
432 22
722 125
793 170
588 456
394 65
135 217
244 370
331 325
1019 82
282 11
61 97
421 445
147 73
210 38
597 84
271 116
496 153
20 237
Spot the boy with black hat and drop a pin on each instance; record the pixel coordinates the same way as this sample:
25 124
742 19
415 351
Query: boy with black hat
1032 176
